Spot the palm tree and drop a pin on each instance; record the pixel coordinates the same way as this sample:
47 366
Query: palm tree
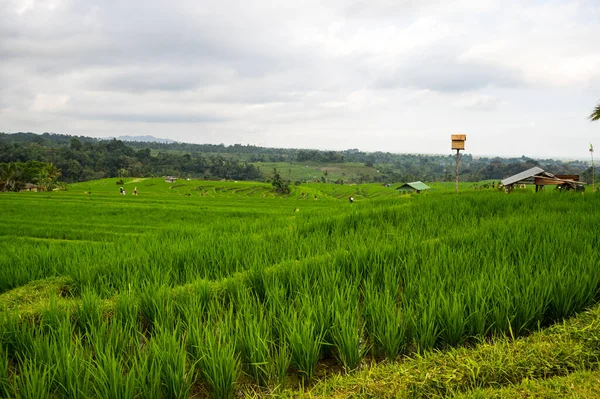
48 176
596 113
10 175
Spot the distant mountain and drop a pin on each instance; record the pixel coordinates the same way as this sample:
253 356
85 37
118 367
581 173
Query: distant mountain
147 139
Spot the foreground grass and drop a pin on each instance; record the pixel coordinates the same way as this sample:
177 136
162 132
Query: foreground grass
583 384
559 361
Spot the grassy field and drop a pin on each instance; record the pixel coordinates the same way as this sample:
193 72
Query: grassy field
199 288
311 171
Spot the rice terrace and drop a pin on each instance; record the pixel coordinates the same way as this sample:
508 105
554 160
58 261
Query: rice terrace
227 289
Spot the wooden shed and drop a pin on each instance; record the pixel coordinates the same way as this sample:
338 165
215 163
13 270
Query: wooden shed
541 178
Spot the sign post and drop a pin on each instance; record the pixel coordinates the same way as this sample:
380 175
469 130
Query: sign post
458 143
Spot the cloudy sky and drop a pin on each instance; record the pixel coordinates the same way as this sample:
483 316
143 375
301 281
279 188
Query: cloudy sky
519 77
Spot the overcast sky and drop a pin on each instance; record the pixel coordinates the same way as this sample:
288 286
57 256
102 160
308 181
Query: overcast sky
517 77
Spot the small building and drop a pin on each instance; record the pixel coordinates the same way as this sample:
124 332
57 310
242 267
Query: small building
416 186
30 187
170 179
541 178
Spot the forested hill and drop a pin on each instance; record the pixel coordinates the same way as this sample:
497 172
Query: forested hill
82 158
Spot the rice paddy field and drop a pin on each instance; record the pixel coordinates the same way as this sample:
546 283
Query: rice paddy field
224 289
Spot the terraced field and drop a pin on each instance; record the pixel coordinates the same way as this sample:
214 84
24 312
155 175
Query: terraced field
200 288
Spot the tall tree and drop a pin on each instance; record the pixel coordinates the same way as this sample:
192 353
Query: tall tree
596 113
48 176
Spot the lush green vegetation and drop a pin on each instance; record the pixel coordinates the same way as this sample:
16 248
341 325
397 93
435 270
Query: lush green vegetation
15 176
197 287
85 158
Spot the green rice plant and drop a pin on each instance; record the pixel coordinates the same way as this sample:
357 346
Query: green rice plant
212 346
305 341
109 378
476 309
453 319
281 360
501 309
116 337
533 297
347 330
571 291
89 313
126 308
53 316
73 371
425 324
18 336
169 352
147 374
156 306
276 307
194 302
253 341
33 380
4 374
386 322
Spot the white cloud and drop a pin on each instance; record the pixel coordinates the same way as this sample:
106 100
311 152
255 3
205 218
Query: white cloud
378 75
480 102
49 102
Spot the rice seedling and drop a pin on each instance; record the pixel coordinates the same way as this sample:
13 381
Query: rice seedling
89 313
168 350
147 374
33 380
157 307
347 330
109 378
212 348
253 341
4 374
386 321
126 308
305 341
73 371
453 320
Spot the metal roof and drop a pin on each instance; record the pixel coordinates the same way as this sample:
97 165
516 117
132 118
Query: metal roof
526 174
417 185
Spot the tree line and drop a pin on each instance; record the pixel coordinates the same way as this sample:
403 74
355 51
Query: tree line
16 176
80 158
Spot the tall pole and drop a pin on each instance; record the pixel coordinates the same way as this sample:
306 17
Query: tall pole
457 161
458 143
593 174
